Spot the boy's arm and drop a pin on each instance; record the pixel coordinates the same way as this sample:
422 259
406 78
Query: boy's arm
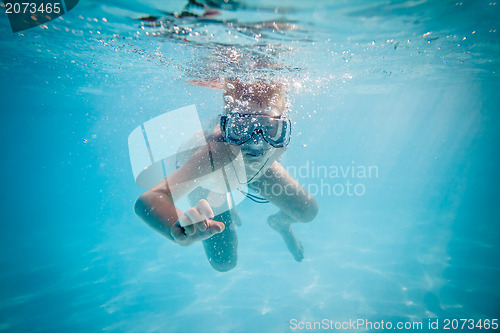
160 213
157 208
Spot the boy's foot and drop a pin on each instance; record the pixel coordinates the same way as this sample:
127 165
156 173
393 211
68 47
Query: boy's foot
286 232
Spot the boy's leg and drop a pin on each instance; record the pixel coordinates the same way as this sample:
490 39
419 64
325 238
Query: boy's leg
294 202
282 223
281 189
221 249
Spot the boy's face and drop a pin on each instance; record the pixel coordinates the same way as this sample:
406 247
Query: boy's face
259 99
257 148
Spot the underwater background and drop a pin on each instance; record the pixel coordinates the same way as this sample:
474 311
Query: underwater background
409 89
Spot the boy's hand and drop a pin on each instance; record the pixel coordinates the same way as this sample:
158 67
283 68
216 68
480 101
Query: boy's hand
196 225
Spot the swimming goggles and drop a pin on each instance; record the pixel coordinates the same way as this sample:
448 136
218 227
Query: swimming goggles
239 128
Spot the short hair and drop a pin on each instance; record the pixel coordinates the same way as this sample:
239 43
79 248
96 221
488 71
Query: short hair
238 94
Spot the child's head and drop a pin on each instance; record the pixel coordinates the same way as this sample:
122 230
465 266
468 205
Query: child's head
262 98
266 129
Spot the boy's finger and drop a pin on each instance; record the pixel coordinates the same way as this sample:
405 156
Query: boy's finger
184 220
186 224
194 216
189 230
205 209
202 226
177 233
215 227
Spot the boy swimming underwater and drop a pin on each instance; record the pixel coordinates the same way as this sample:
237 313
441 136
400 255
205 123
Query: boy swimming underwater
254 126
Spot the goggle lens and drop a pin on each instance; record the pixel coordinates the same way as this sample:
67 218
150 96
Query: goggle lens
239 129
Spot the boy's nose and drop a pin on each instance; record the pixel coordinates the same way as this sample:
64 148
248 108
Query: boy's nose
257 141
257 136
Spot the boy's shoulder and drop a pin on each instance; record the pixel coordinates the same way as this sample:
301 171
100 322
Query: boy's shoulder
215 136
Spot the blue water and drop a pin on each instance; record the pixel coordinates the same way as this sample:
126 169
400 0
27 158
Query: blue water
408 87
